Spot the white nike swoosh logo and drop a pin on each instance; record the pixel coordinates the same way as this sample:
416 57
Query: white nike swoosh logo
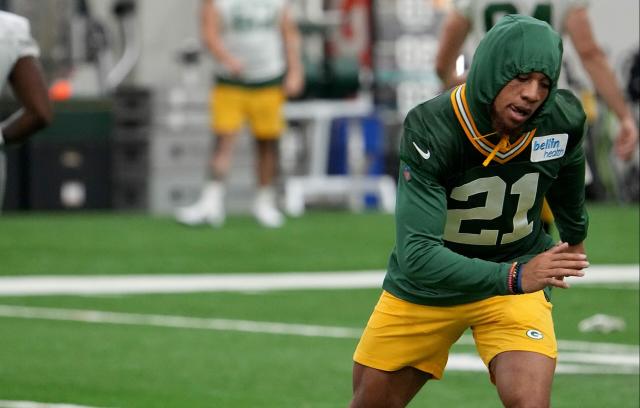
423 154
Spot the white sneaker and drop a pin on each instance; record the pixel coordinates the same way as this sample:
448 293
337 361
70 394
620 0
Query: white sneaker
209 209
265 210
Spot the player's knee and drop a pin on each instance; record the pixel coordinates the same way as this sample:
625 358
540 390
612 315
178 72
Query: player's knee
525 400
362 400
376 397
371 401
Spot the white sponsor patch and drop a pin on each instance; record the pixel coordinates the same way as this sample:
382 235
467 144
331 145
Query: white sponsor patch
548 147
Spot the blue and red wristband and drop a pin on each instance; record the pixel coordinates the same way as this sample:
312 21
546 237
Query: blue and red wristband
514 279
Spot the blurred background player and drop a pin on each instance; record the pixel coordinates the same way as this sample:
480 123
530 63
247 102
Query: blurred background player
570 17
255 45
19 66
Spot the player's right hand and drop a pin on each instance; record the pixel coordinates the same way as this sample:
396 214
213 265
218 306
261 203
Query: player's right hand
234 66
551 267
627 140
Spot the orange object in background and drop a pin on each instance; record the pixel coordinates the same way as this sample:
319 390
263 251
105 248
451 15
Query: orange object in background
60 90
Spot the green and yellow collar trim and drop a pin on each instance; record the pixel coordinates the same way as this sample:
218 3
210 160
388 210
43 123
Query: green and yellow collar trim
501 152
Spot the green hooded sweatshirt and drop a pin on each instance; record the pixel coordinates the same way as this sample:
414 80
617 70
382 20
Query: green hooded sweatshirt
460 224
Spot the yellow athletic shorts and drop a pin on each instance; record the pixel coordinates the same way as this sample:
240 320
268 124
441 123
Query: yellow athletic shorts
401 334
233 106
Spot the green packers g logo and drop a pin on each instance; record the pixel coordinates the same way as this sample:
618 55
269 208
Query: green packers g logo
534 334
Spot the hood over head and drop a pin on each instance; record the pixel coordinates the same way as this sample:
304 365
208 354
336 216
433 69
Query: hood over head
516 45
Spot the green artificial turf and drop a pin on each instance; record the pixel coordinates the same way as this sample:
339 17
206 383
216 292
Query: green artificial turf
113 365
140 366
110 243
139 244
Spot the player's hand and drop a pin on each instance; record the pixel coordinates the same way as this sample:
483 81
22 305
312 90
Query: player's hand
234 66
627 140
551 267
293 82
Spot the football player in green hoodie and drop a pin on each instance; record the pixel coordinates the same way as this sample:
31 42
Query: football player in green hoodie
470 249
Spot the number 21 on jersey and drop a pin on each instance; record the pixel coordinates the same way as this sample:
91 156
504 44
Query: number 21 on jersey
496 190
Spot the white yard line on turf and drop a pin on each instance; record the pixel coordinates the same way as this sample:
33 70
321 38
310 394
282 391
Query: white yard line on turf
471 362
252 326
95 316
33 404
133 284
613 358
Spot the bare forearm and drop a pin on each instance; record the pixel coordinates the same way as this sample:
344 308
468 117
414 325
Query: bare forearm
294 79
604 80
452 36
578 26
23 124
217 49
292 43
29 87
210 33
605 83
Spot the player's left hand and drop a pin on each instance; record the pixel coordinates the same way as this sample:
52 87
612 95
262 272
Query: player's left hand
627 140
549 268
293 82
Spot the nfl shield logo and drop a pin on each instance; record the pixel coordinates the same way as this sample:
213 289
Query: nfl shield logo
406 172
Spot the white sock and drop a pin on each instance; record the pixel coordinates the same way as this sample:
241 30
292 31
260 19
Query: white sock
266 195
213 189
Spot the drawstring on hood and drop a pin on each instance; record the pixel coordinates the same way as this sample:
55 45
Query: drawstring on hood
503 144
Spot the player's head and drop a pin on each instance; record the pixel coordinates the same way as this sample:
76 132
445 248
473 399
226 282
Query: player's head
518 101
515 72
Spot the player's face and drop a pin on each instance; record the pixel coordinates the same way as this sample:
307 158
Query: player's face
519 100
